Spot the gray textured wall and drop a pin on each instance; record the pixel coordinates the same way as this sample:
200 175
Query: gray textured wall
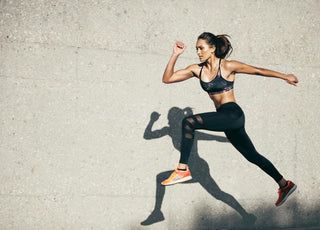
80 79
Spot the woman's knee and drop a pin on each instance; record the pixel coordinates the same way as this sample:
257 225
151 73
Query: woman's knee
255 158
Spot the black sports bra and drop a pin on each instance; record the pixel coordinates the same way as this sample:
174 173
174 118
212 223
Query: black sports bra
217 85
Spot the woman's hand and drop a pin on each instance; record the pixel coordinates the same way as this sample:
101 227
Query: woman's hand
178 48
291 79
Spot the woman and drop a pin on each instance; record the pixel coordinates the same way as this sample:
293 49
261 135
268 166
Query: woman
216 76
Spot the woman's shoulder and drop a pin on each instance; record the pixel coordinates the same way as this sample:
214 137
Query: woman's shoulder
229 64
195 69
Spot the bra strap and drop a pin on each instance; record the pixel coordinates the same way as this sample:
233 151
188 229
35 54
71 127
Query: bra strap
200 73
219 70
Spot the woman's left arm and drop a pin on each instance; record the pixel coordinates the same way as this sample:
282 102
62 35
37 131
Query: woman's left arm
238 67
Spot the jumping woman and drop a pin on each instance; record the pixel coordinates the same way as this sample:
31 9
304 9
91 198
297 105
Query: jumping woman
216 76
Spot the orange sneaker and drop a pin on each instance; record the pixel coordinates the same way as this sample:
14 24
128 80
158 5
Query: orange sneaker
177 176
285 192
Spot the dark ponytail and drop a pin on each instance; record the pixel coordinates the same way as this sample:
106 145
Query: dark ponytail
221 42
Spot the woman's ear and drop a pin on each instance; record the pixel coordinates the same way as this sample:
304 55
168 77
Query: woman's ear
213 49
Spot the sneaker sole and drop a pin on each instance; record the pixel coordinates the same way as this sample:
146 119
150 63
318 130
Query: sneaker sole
289 193
179 181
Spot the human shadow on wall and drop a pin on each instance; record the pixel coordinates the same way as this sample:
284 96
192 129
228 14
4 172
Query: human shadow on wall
198 166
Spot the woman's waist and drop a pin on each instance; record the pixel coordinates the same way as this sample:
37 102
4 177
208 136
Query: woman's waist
228 106
223 98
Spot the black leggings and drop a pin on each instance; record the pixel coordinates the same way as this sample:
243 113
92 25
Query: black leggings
229 118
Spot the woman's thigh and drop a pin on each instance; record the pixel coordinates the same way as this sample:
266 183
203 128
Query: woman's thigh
217 121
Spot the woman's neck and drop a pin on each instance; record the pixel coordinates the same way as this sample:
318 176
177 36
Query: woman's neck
212 62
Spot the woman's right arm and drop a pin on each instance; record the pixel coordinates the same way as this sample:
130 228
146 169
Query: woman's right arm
169 75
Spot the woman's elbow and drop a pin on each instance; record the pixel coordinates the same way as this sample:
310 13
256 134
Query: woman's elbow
166 81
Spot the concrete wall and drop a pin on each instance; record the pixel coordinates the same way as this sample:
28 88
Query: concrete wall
79 81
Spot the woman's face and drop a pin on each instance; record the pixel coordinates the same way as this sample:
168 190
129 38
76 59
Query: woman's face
204 50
